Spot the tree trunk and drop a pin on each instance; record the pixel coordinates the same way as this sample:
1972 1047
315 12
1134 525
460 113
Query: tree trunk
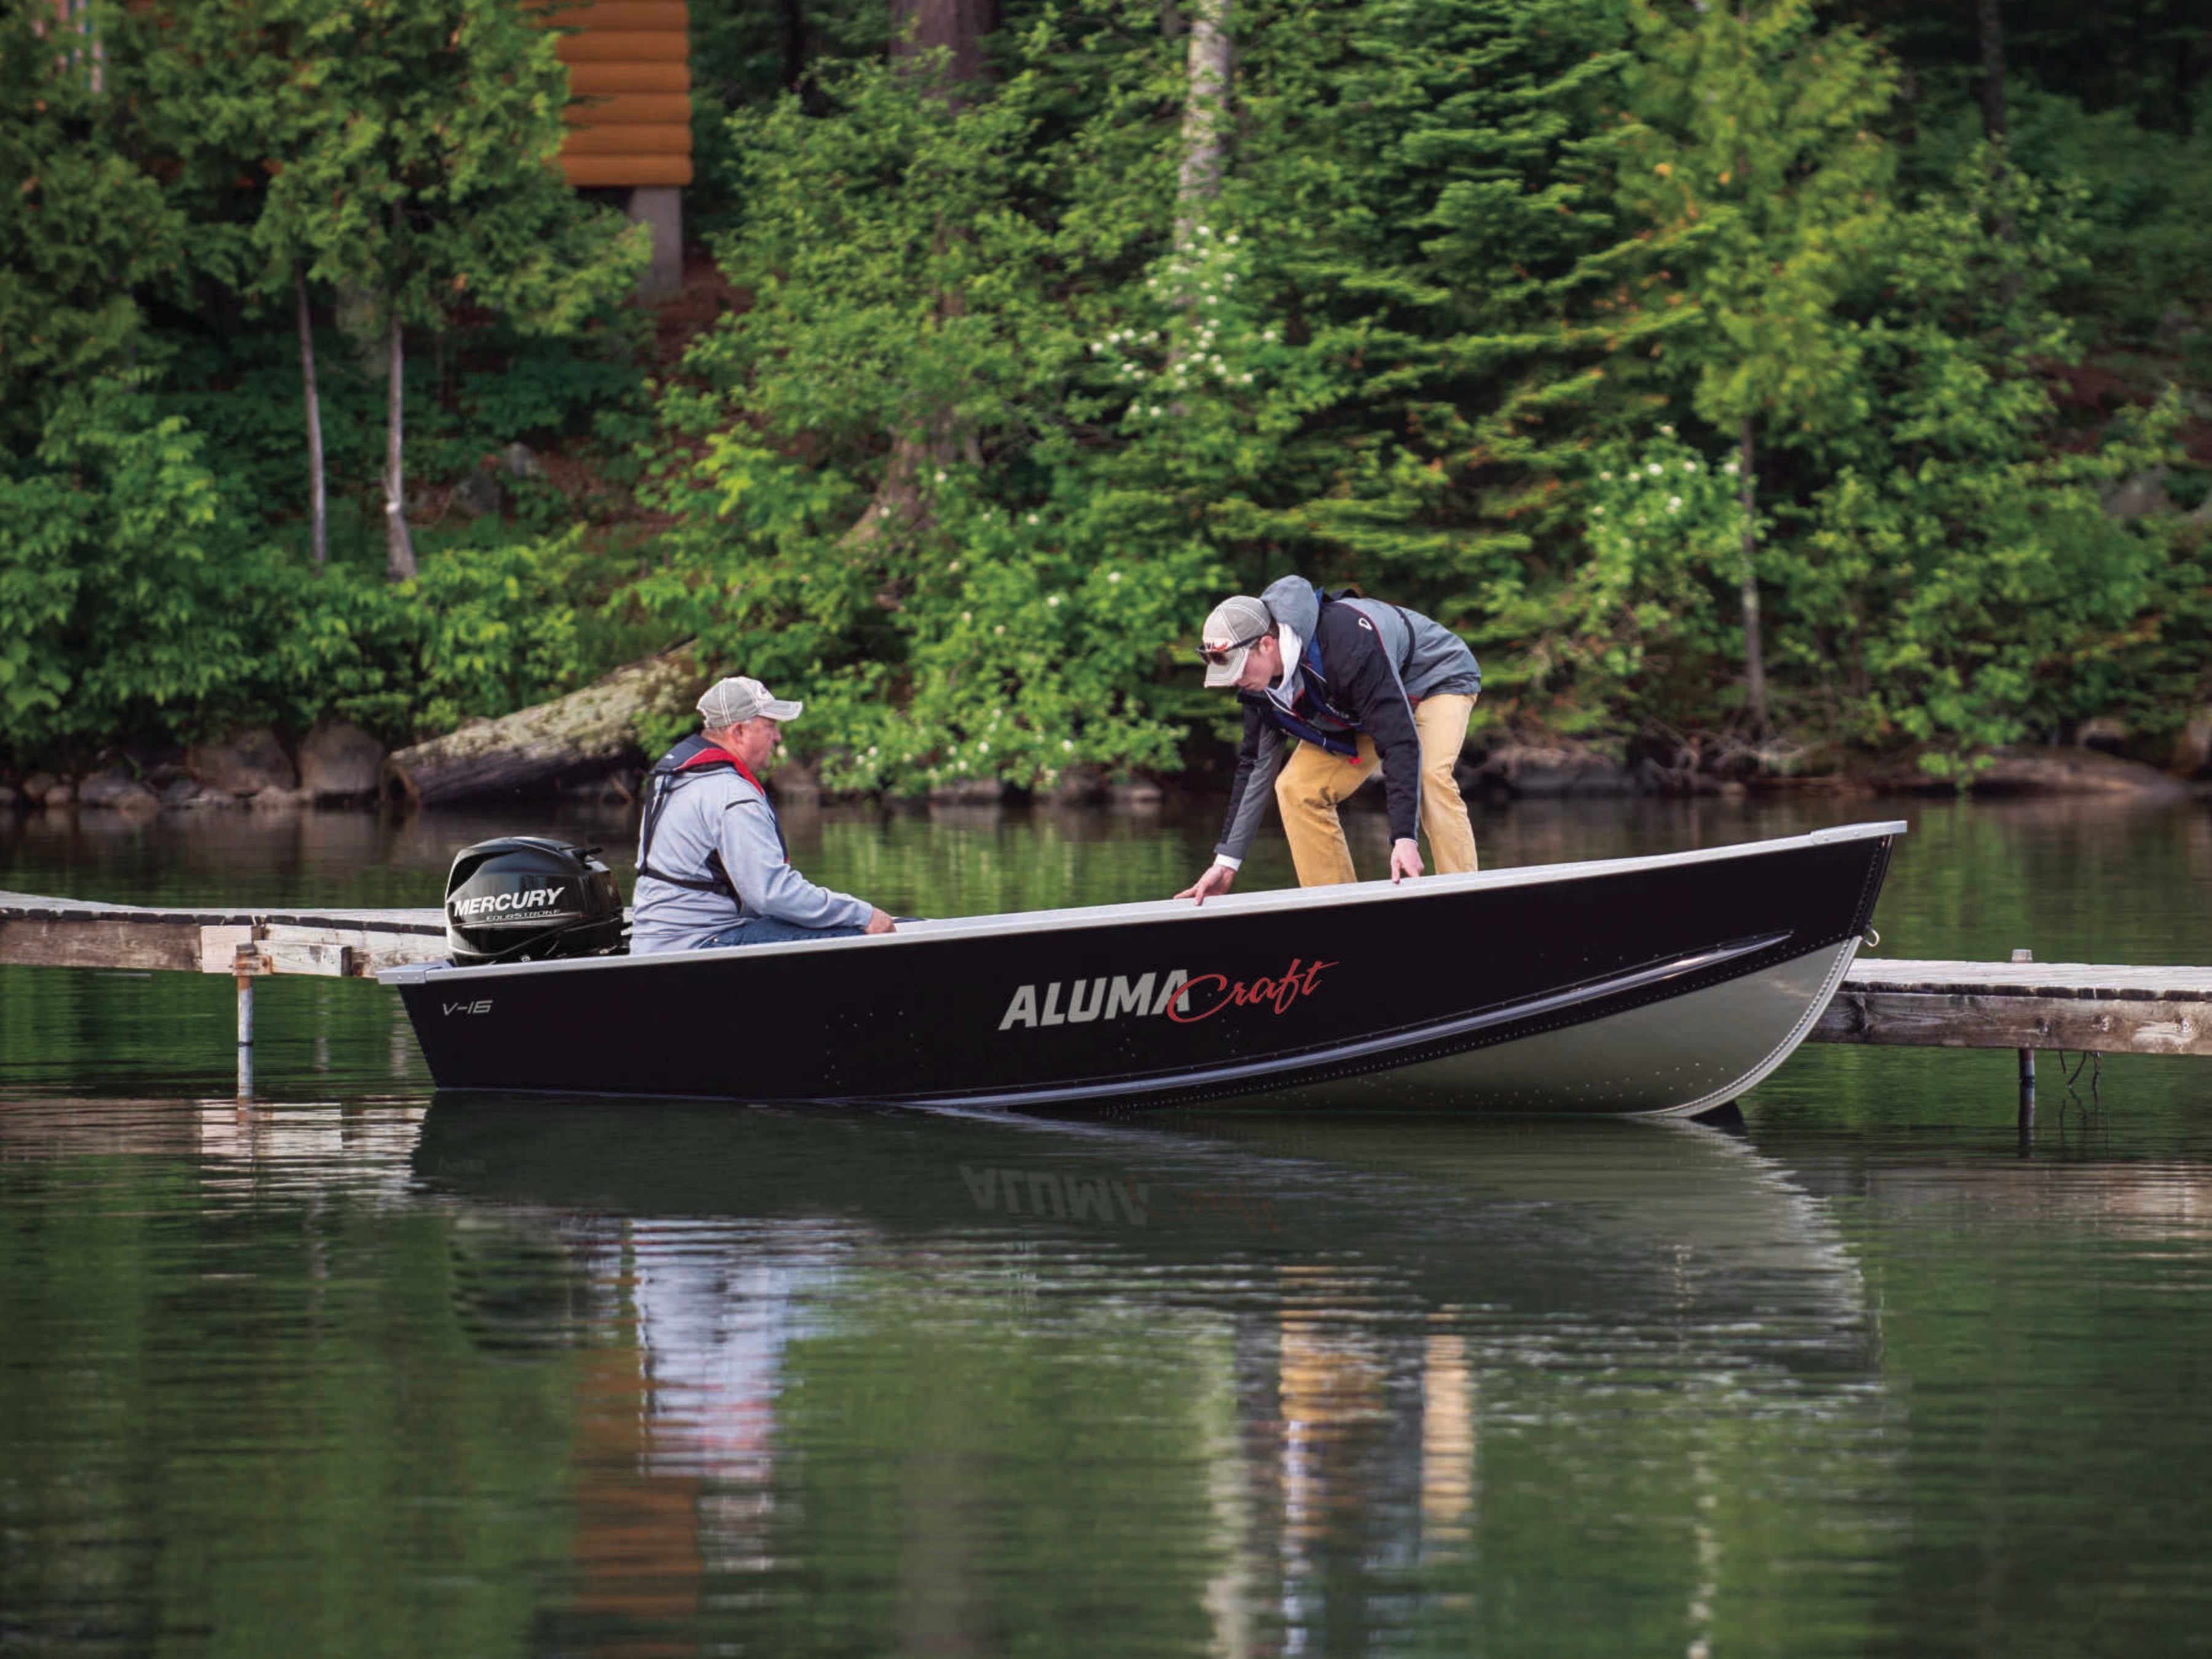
317 507
794 45
399 546
1206 93
1198 181
1992 30
584 735
917 27
1755 659
958 27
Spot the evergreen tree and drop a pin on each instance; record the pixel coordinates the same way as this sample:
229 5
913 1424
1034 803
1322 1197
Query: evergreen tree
425 176
1758 163
232 91
82 226
1958 581
1422 308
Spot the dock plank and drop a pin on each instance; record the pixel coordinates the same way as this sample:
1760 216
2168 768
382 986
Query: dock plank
39 931
2090 1007
100 942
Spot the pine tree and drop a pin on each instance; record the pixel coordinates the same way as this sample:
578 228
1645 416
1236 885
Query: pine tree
1429 185
230 92
1758 163
425 176
82 226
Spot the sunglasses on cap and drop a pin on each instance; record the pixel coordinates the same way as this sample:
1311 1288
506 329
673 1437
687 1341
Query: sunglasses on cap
1214 655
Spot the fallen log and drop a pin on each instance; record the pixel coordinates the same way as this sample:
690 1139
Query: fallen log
586 734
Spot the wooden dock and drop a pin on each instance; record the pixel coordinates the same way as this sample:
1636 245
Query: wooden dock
59 933
2082 1006
2026 1005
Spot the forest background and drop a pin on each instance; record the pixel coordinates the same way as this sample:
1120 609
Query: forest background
1762 392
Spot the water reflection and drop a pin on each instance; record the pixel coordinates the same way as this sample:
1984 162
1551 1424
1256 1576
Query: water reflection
504 1378
1295 1377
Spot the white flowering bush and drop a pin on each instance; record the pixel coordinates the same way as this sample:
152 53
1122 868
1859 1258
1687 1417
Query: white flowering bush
1652 607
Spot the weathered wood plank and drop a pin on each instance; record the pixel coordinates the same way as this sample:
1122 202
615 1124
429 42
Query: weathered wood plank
37 931
43 907
2140 1025
100 942
354 952
219 947
2072 979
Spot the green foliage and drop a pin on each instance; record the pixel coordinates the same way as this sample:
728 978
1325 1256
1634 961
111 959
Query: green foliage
1961 583
1006 407
1941 570
81 226
2140 201
480 633
1641 628
424 169
1324 372
132 605
1758 164
908 372
1430 192
110 574
241 391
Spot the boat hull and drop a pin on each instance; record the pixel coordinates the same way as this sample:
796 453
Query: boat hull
1643 985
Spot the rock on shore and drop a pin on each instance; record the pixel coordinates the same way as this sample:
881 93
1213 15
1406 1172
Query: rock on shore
244 764
338 761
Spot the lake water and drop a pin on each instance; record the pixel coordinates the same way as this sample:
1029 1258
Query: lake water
349 1369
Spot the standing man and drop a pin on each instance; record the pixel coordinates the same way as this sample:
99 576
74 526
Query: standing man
711 865
1363 686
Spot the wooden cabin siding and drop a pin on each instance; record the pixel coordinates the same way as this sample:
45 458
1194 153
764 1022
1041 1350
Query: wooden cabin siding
630 78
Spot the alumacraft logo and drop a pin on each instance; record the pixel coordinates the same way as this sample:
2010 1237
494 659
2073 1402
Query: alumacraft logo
502 904
1183 997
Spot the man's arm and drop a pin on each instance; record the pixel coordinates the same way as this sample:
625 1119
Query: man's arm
1259 758
765 880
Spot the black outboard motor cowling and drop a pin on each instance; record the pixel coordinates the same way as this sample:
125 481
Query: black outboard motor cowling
525 898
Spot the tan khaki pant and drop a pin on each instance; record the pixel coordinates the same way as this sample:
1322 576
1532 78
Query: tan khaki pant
1313 782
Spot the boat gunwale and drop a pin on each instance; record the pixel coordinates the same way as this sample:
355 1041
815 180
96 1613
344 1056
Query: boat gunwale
1144 911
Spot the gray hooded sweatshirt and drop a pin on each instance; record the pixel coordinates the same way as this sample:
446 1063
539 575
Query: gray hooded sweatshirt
721 811
1381 659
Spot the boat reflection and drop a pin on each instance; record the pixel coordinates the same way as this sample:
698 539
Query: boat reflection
1338 1330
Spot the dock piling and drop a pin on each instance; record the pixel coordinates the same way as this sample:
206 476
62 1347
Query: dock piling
2027 1069
246 965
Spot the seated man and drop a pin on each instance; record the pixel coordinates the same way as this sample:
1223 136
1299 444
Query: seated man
711 867
1357 682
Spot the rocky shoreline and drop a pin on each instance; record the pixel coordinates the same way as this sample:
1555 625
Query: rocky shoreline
338 764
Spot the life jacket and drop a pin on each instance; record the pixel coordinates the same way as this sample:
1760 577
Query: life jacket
1344 740
695 757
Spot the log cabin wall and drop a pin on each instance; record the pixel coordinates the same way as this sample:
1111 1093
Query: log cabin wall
629 120
630 80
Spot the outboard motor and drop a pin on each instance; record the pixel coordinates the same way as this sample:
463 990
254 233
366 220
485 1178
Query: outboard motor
525 898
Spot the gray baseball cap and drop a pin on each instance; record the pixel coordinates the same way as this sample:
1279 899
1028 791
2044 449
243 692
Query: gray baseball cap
1234 626
734 701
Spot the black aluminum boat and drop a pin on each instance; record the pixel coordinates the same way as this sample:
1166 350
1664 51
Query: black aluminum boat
1662 985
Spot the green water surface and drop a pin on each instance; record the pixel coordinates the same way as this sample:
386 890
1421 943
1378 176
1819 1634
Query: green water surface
350 1370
